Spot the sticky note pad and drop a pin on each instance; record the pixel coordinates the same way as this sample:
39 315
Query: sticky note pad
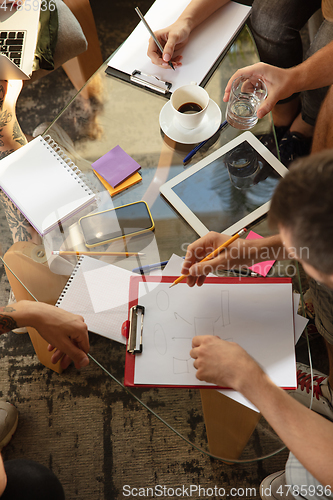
130 181
261 268
115 166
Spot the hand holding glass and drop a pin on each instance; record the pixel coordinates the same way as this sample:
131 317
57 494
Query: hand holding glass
245 98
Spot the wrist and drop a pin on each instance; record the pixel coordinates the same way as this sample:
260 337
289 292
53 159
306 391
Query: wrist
297 77
26 313
252 382
188 22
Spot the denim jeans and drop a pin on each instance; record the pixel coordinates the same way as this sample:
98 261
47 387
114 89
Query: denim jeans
276 26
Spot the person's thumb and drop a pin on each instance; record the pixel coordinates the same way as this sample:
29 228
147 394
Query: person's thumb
79 357
169 48
267 105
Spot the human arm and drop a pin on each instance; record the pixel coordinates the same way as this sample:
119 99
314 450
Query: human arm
306 434
240 253
3 477
315 72
175 36
65 332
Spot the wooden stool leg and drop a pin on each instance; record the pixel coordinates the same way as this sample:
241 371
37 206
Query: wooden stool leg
28 262
229 424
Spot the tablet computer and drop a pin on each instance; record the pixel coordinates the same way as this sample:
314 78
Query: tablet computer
228 190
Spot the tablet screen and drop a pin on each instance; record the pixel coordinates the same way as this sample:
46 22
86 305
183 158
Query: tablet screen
229 188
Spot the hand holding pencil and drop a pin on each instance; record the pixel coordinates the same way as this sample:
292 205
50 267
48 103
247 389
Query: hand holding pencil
206 255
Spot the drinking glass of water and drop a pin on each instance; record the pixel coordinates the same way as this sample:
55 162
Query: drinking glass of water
245 98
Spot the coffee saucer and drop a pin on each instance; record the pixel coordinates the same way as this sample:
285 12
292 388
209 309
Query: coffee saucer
209 125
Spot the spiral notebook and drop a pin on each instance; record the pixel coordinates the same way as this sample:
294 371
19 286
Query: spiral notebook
44 184
98 291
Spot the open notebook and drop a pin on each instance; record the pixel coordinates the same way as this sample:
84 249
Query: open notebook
98 291
44 184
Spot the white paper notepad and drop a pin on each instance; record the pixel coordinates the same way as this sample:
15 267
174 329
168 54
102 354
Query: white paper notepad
44 184
207 42
99 292
259 317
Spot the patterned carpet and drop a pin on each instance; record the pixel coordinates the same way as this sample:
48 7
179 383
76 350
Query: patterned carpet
81 424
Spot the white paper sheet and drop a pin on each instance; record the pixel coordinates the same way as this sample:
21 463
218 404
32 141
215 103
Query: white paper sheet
259 317
173 268
300 324
99 292
206 44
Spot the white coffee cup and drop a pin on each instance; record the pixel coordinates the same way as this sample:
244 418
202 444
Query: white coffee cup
189 104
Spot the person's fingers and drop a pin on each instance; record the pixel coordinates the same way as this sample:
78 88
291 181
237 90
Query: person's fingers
196 342
154 53
66 361
169 47
267 105
74 354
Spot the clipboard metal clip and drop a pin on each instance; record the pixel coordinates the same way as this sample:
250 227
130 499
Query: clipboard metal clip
134 345
150 81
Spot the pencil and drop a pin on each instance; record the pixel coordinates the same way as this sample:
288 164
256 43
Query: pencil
213 254
137 10
65 252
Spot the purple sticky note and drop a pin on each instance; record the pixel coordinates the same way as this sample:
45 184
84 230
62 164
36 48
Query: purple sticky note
116 166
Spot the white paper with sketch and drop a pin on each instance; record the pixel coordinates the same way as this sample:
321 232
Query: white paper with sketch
300 324
206 43
98 291
173 268
259 317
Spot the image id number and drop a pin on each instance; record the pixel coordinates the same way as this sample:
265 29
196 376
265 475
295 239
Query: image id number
304 490
27 5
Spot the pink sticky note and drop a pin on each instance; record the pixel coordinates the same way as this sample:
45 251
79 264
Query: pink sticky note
116 166
261 268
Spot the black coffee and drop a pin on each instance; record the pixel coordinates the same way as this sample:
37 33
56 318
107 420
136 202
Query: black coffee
190 108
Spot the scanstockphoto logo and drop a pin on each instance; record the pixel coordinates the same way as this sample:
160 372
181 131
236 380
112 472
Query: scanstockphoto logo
187 491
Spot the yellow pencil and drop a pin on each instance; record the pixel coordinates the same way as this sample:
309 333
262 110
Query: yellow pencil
127 254
212 254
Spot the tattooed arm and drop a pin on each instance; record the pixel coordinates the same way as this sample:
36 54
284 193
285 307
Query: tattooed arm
67 333
12 138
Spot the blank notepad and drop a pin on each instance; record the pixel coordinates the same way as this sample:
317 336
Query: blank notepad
44 184
99 292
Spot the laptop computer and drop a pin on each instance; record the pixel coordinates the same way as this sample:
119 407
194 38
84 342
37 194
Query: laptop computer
18 38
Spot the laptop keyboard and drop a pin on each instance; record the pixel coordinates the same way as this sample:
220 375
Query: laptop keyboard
11 45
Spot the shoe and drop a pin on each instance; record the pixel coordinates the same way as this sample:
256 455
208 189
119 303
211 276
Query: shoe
293 145
274 487
8 422
322 393
268 140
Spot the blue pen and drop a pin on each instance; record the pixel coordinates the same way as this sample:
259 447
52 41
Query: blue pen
192 153
149 267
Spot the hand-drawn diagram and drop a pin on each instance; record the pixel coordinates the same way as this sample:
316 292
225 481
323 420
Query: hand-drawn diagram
258 316
162 300
160 339
181 366
203 324
206 325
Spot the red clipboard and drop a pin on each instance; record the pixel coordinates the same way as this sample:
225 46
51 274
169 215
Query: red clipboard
133 301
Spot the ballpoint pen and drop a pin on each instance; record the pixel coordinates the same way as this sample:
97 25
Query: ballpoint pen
194 150
137 10
150 267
